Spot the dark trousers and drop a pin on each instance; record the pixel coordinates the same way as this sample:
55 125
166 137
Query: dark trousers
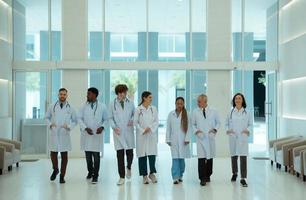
64 162
205 168
120 161
142 163
243 165
93 163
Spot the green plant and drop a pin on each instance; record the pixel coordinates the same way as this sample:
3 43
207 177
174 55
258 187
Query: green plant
262 79
128 78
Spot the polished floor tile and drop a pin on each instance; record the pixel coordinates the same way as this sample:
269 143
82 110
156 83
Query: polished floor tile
31 182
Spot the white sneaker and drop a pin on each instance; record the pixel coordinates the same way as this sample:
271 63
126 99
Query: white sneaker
145 180
121 181
128 173
153 178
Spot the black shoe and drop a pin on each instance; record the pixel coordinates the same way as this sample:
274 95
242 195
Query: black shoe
180 180
176 182
207 180
62 179
53 175
94 180
243 183
89 176
202 183
234 178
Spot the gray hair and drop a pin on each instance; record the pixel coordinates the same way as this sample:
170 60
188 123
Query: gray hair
202 96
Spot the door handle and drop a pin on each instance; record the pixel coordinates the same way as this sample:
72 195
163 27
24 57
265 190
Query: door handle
268 108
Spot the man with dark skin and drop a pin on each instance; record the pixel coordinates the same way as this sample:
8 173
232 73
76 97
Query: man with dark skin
92 119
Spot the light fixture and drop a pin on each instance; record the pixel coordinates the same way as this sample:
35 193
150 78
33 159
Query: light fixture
288 4
288 116
4 4
3 80
294 80
288 85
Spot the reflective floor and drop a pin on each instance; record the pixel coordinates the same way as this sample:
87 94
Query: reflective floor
31 182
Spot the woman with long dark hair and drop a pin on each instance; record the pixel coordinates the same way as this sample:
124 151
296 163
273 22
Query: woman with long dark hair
146 122
239 125
178 138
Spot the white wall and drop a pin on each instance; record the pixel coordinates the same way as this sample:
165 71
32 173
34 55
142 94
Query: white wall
292 85
5 68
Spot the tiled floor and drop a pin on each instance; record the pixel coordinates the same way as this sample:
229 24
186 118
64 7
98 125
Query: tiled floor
31 182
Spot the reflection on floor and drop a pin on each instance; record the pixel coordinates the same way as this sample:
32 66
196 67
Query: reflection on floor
259 146
31 182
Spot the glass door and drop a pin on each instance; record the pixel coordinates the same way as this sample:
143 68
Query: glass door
271 105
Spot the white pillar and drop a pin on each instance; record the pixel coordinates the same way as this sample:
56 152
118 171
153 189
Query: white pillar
74 20
219 49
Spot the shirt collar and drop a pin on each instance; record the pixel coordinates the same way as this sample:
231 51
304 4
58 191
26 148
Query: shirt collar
174 113
144 108
64 103
94 103
125 100
206 108
241 110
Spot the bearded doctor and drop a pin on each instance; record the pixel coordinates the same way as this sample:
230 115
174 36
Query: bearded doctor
61 119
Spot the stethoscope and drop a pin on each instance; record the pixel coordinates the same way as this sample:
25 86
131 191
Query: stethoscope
244 111
96 106
127 100
57 102
115 109
150 109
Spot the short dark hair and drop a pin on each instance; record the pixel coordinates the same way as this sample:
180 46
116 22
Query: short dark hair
63 89
121 88
94 90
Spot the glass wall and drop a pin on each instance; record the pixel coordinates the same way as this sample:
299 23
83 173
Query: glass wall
198 28
165 86
95 29
31 101
56 30
32 33
254 28
124 22
153 30
169 25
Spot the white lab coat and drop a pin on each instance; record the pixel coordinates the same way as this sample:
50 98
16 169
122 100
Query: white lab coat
238 121
177 137
120 118
92 118
146 144
206 144
59 137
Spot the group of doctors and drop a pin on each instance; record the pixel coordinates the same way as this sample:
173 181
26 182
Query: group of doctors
124 118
